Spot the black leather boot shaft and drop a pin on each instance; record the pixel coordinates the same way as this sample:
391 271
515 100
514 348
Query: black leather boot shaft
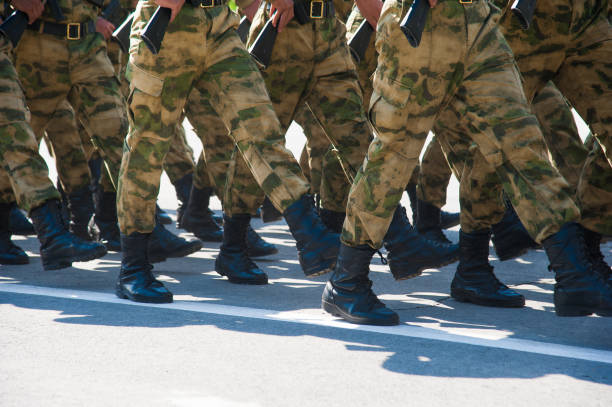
579 290
233 260
316 245
9 252
58 247
136 281
164 244
18 223
428 222
183 191
105 218
268 212
81 208
162 216
510 238
409 253
593 244
256 246
197 219
474 280
348 293
332 220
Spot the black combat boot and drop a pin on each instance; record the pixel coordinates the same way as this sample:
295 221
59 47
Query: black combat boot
332 220
256 246
164 244
474 280
593 244
233 260
9 252
198 219
162 216
410 253
447 219
81 209
510 238
317 246
348 293
18 223
183 191
136 281
105 218
58 247
268 212
579 290
428 222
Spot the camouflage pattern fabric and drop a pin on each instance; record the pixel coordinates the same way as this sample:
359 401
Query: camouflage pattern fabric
67 148
594 191
53 69
179 161
23 174
570 43
227 78
463 70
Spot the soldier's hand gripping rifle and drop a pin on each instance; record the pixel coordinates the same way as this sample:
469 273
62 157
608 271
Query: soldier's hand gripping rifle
153 33
523 10
15 24
122 34
413 24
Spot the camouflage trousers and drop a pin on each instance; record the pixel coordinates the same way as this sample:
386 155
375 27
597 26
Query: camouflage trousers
462 77
227 79
23 174
311 70
79 71
569 43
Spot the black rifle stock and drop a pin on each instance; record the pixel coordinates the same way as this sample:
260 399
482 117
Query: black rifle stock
154 32
361 40
261 50
243 29
14 26
413 24
122 34
523 10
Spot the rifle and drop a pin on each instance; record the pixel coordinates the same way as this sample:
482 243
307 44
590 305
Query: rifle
122 34
154 32
14 26
261 50
243 29
361 40
523 10
413 24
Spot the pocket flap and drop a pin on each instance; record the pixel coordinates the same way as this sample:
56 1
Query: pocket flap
144 81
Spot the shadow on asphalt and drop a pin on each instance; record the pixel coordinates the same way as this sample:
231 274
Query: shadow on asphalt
421 302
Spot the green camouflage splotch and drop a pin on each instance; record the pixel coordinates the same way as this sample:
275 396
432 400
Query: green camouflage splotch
464 70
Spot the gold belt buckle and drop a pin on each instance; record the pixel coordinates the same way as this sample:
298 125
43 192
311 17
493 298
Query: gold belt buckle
465 1
317 9
207 3
69 27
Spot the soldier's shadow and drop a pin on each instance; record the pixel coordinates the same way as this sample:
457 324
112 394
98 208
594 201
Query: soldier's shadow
420 302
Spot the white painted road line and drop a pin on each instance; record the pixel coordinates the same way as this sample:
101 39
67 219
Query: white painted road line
520 345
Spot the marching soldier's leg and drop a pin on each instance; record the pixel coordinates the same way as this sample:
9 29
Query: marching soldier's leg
28 175
72 168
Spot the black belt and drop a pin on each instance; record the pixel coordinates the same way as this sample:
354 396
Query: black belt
206 3
70 31
305 10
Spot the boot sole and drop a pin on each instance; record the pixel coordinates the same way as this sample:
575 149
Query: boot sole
316 273
464 296
137 298
237 280
66 262
579 311
337 312
15 262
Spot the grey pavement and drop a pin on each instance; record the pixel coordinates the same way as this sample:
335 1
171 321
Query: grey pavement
65 340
